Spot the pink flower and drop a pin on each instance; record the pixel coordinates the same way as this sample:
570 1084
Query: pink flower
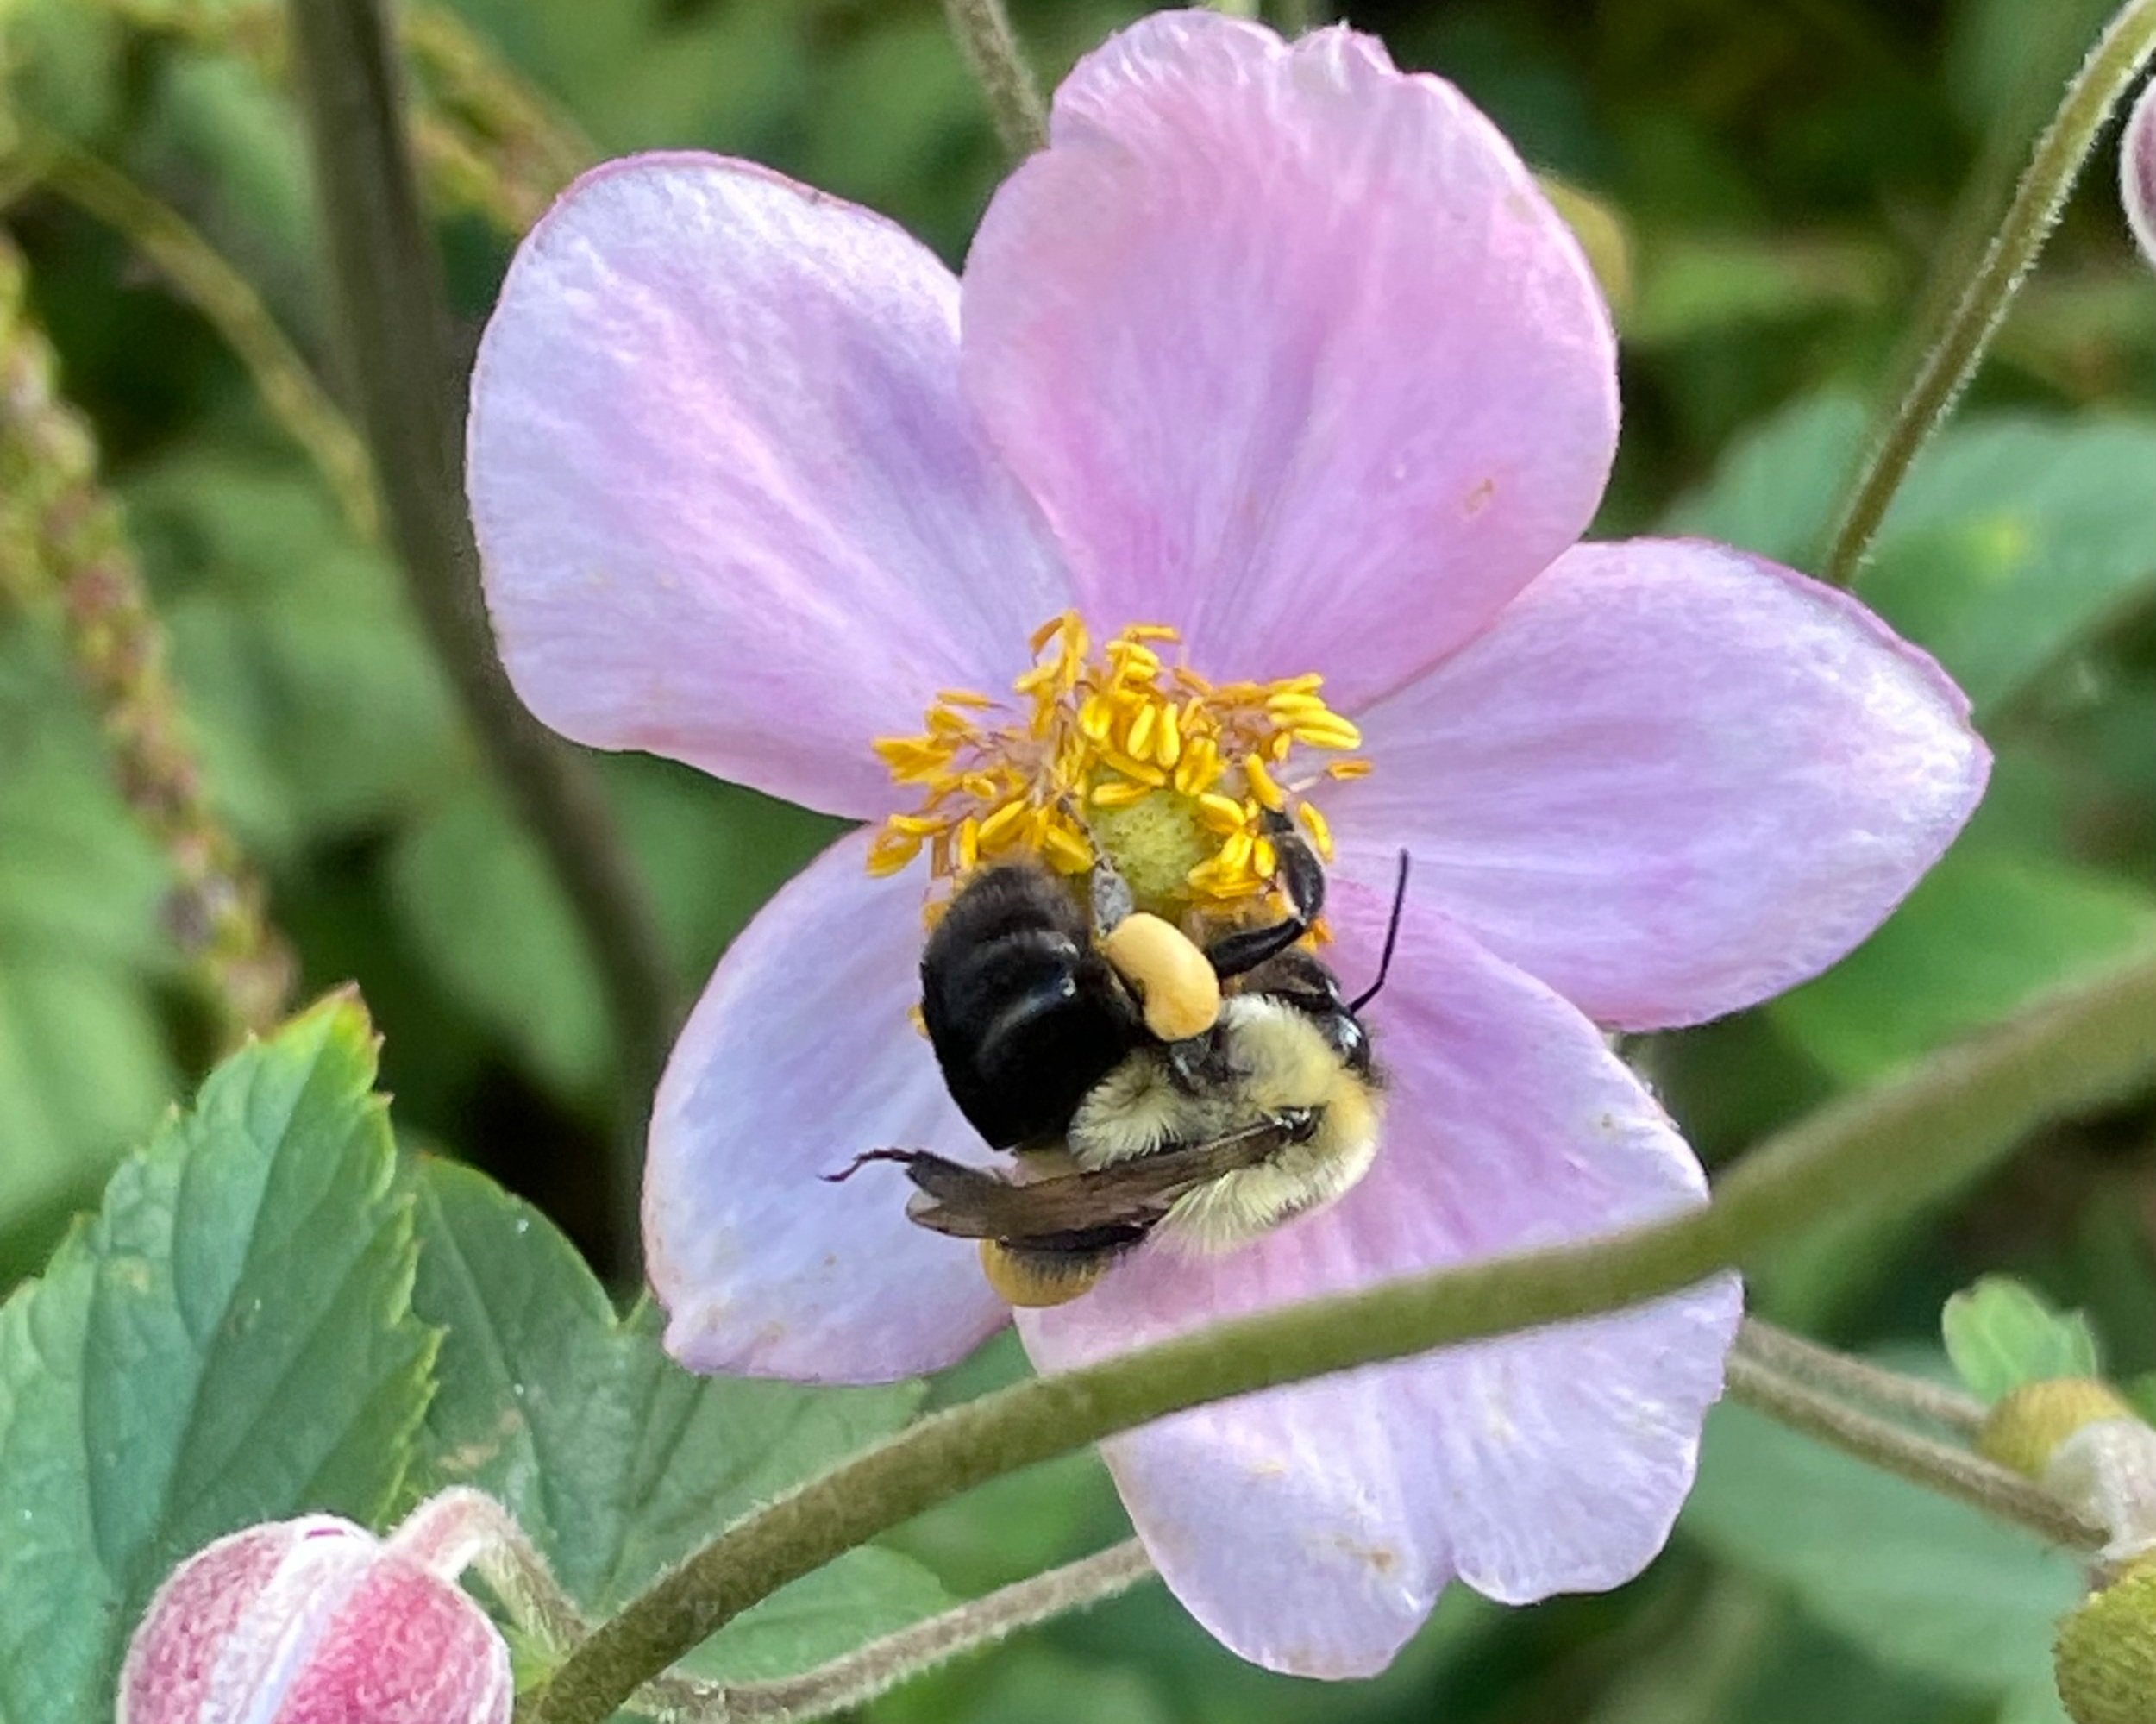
316 1621
1284 350
2137 171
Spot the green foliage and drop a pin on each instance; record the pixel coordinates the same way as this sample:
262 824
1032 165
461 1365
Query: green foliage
2001 1334
615 1460
1920 1583
229 1341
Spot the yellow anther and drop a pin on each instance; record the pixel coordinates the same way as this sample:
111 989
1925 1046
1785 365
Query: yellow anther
1264 859
1119 792
966 697
1154 631
1290 704
1278 748
1346 770
1263 785
966 843
1138 739
1048 631
892 852
1168 738
1222 814
1235 852
1318 827
1330 731
1067 852
1096 719
1145 771
1005 824
1309 683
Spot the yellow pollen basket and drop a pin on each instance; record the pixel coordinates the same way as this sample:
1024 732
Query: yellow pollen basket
1169 774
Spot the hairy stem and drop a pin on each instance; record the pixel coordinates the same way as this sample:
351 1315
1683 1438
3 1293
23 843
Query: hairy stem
1952 354
1853 1379
228 300
61 532
882 1665
395 329
983 30
1924 1460
1899 1145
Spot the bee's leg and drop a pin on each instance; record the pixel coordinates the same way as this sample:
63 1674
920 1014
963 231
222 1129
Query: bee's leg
1112 903
1301 876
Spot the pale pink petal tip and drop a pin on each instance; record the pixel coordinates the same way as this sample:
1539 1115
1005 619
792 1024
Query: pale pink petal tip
1291 350
2137 172
730 505
801 1055
1671 779
1311 1528
310 1621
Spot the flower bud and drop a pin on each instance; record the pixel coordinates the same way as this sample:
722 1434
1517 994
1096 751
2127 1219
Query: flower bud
2105 1660
2026 1426
314 1620
2137 171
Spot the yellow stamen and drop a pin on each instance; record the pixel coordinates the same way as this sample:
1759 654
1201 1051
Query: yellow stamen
1174 775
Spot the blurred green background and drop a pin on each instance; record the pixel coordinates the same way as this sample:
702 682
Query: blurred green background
1790 179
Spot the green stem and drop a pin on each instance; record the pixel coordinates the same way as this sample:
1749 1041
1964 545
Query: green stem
1953 356
1923 1460
983 30
395 328
883 1665
228 300
1853 1379
1901 1144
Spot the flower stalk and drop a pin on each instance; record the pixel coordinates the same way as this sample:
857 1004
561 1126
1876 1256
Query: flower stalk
1952 356
1898 1145
394 323
1855 1380
983 30
61 532
1922 1460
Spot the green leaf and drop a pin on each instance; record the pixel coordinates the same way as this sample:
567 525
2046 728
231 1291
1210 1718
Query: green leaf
318 707
1984 932
1775 490
615 1460
2013 539
229 1340
1921 1581
84 1066
2001 1334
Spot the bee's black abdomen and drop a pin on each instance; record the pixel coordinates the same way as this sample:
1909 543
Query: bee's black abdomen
1025 1017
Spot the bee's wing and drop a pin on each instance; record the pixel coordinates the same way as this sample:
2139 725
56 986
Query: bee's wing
979 1203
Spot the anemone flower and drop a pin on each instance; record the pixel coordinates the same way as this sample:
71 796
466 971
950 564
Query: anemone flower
1243 470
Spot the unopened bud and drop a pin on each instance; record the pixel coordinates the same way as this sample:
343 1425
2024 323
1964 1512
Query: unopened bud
2137 171
2105 1659
2027 1425
316 1618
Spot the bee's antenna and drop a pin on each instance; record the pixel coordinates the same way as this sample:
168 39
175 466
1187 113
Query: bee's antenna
1392 936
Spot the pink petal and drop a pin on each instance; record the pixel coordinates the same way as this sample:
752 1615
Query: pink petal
1671 781
1312 1528
2137 171
1291 350
730 507
801 1056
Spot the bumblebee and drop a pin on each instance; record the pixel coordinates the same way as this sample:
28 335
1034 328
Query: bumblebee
1145 1083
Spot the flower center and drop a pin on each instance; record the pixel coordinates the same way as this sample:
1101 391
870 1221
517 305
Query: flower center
1120 753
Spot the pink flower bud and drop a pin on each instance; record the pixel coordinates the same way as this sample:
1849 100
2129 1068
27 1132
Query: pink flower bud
313 1621
2137 171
